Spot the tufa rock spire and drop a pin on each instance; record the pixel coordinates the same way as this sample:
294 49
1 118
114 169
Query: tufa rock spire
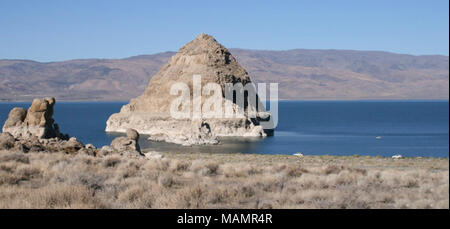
150 113
37 121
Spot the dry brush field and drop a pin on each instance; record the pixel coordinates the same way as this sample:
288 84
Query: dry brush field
194 180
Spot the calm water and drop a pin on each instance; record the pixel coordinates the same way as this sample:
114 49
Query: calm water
334 128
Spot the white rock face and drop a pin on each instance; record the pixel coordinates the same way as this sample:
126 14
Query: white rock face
149 114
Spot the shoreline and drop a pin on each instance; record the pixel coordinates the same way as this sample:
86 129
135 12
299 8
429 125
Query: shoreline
145 150
363 161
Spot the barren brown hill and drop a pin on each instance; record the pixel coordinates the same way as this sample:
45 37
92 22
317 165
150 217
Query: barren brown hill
301 74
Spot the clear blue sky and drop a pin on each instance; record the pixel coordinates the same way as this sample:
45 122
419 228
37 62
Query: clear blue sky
68 29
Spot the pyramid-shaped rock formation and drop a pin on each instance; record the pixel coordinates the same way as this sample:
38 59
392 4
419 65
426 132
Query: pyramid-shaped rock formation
150 113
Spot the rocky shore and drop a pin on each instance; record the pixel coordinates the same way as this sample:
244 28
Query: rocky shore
34 130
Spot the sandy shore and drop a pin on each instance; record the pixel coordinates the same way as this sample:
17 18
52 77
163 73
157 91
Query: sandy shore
199 180
356 161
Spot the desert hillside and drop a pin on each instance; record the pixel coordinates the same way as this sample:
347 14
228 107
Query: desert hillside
301 74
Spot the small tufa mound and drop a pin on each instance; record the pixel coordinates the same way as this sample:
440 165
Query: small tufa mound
72 145
34 144
127 145
37 121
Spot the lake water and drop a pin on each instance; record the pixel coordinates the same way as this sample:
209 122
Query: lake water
410 128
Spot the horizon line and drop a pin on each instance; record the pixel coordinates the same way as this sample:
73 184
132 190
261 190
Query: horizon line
264 50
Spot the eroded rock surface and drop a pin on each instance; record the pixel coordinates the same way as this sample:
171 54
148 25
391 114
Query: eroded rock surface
128 144
150 113
35 131
16 117
37 121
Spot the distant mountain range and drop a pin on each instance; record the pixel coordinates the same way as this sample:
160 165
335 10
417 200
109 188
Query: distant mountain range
302 75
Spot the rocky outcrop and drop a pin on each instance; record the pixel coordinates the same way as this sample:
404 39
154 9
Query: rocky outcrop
37 121
34 144
35 131
128 144
150 113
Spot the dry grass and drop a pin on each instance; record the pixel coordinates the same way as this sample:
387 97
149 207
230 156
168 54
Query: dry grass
193 180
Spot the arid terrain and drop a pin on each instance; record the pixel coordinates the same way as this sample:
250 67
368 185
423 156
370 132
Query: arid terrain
196 180
301 74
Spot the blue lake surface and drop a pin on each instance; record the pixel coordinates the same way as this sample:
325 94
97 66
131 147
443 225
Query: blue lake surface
410 128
